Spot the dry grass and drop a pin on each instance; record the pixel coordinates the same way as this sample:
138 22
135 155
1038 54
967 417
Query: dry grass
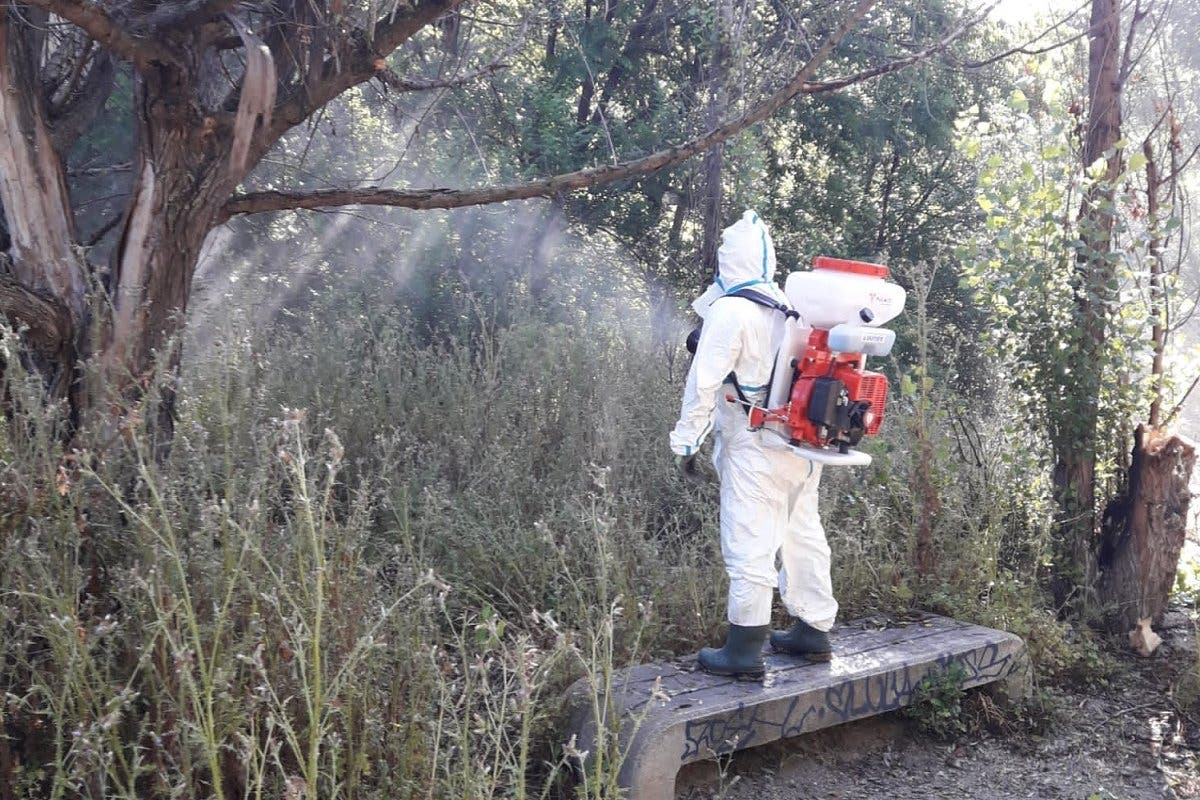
386 593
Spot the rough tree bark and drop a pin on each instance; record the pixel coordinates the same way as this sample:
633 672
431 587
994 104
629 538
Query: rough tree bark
32 186
47 272
179 186
1145 529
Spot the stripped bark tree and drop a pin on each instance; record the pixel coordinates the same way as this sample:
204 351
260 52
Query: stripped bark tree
215 87
210 97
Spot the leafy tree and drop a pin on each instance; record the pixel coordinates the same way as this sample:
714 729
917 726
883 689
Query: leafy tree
1072 266
213 89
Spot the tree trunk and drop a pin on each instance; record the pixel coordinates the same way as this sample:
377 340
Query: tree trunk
584 109
714 159
32 186
181 179
1148 525
49 290
1158 295
554 8
1075 442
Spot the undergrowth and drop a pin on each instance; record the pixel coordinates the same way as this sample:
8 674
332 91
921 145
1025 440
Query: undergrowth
376 557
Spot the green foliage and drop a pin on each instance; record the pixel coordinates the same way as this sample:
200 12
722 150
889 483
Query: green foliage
868 172
937 704
391 610
1024 268
420 482
469 516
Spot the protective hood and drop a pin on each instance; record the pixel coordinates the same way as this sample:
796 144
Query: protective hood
745 260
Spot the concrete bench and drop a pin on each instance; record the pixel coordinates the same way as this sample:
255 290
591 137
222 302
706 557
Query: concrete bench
671 714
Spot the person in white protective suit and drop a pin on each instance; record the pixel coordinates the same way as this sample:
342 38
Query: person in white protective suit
768 492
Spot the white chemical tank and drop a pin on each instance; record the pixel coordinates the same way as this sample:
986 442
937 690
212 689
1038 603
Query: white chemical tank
865 339
841 292
832 297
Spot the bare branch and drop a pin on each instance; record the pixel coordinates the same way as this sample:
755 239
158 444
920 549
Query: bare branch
571 181
1027 48
393 81
901 63
96 22
105 229
1130 35
1179 169
108 169
390 79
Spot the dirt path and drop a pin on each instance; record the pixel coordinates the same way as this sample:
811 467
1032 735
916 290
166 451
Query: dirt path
1128 741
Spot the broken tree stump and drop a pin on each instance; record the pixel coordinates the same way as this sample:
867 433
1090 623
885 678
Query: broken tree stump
1145 529
669 714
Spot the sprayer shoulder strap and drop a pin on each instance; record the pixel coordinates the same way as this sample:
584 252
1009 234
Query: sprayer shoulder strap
769 302
763 300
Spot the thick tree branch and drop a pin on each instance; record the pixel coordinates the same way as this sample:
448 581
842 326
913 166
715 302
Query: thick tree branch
255 202
96 22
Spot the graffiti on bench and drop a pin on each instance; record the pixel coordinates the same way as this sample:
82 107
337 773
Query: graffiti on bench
726 732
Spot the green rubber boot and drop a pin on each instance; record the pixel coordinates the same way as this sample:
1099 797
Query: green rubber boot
741 655
803 640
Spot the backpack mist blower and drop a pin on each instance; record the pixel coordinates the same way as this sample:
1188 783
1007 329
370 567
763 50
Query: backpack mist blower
827 400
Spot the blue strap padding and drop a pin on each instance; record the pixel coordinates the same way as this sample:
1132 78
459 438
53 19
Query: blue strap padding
764 241
745 285
729 380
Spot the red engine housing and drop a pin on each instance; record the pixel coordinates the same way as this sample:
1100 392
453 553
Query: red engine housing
811 383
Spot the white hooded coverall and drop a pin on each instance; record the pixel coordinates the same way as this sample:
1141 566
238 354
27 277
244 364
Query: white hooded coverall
768 492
